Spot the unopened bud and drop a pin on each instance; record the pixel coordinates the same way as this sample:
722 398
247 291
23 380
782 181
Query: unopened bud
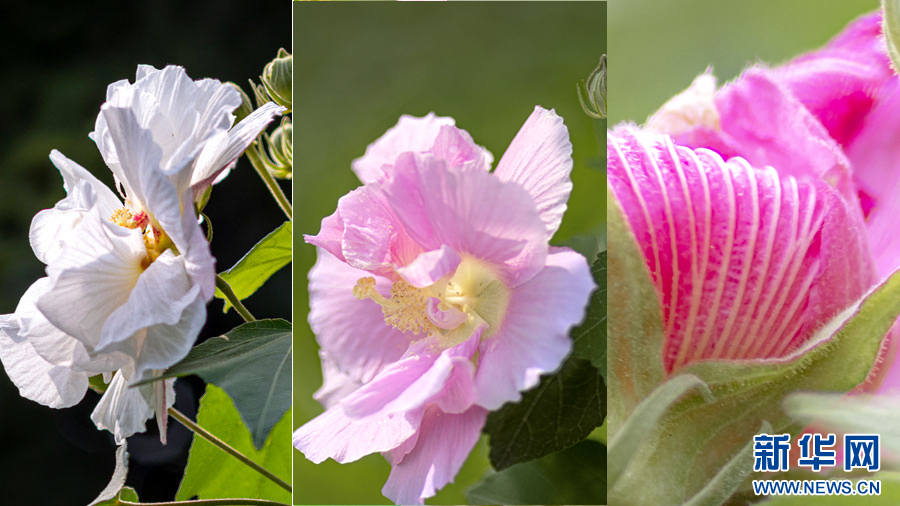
595 89
246 106
277 78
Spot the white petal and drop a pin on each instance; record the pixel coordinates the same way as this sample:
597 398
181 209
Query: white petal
54 345
220 152
160 320
37 379
92 277
124 411
51 228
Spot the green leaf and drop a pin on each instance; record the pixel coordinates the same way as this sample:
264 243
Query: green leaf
576 475
635 333
213 474
252 363
645 417
263 260
589 338
890 495
116 488
561 411
696 439
851 415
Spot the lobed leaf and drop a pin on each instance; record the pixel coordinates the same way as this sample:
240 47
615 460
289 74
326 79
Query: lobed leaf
562 410
263 260
252 363
589 338
213 474
576 475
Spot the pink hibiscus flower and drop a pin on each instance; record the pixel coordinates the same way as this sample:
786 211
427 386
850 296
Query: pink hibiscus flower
436 297
751 255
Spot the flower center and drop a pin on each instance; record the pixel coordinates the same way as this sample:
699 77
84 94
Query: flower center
453 308
155 239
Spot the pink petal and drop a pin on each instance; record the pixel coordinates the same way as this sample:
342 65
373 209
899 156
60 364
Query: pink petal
456 147
422 373
410 134
361 345
761 122
472 212
444 442
540 159
747 264
330 234
430 266
365 233
839 83
446 319
335 435
875 154
336 384
533 338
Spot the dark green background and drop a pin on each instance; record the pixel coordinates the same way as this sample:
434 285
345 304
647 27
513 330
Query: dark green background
53 81
358 67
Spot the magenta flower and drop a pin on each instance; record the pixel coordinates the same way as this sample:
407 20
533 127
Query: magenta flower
830 116
762 208
436 297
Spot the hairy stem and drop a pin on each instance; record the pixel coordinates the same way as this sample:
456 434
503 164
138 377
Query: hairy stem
209 502
235 301
274 189
225 447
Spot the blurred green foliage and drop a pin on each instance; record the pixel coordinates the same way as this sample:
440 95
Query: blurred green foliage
659 46
360 67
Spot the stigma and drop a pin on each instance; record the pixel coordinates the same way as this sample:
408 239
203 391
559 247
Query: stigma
155 239
451 309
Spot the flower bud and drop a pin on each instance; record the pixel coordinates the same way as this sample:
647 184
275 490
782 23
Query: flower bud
277 78
281 150
246 106
595 89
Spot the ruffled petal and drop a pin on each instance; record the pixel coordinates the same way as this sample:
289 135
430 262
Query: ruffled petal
365 233
747 264
97 272
51 228
443 444
54 345
161 319
875 154
760 121
409 383
472 212
839 83
409 134
533 338
124 411
364 344
540 159
218 156
335 435
430 266
36 378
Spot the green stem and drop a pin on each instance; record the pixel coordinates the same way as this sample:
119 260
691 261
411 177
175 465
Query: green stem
274 189
208 502
235 301
225 447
